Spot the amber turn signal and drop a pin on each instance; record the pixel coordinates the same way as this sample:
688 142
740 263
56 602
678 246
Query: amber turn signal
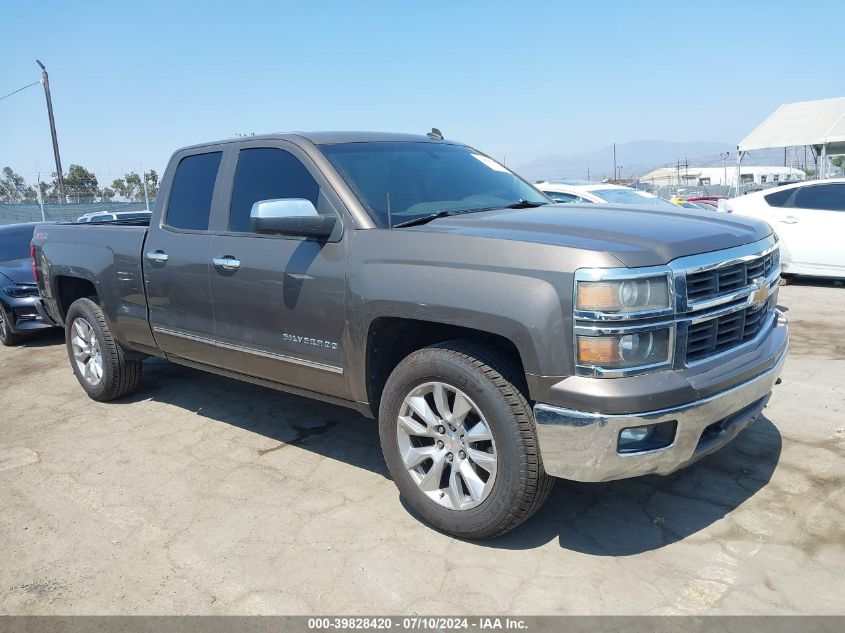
597 296
598 350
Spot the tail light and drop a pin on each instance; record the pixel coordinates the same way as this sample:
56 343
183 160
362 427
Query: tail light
34 265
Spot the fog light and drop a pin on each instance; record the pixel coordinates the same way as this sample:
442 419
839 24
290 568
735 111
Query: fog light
635 434
636 439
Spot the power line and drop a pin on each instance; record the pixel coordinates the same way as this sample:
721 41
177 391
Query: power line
19 89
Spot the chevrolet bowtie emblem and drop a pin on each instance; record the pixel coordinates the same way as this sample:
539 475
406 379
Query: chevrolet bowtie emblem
760 294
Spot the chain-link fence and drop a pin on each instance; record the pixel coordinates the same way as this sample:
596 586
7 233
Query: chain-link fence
55 212
31 198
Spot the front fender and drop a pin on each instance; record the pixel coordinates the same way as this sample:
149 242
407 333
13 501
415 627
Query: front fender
517 290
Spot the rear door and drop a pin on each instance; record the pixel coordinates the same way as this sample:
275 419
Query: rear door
278 300
177 258
812 226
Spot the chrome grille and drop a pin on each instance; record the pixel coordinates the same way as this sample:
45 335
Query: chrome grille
706 284
722 333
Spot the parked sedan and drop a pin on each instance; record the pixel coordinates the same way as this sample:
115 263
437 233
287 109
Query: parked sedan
809 218
19 300
602 192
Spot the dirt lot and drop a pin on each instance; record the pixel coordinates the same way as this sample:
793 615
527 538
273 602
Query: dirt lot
203 495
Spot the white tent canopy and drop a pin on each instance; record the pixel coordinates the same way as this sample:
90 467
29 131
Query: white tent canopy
818 123
804 123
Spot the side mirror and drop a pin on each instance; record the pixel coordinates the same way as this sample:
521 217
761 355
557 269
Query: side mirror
291 216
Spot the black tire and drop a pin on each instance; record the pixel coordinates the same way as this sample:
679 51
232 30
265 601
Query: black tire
489 379
7 337
121 370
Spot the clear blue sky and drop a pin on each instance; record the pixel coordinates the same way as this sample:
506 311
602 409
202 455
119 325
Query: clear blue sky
133 81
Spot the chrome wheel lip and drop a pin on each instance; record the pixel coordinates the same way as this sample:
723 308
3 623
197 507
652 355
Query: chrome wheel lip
87 354
435 443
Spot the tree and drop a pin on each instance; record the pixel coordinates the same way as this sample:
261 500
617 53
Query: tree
838 161
152 183
81 185
12 186
106 195
131 187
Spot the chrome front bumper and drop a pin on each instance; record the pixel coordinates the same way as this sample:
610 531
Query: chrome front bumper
582 446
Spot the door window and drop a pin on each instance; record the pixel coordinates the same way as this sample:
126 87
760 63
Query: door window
267 173
829 197
190 195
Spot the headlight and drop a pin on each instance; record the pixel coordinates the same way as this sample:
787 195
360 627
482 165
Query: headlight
19 292
622 351
623 296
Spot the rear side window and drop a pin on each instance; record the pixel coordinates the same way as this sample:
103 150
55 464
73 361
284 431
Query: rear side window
190 195
826 197
268 173
779 198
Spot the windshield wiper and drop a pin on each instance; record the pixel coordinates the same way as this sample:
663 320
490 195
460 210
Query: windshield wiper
524 204
425 219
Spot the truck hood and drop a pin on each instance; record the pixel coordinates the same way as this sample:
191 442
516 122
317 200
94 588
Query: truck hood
17 271
637 236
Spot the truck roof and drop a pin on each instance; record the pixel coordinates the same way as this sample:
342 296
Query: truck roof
327 138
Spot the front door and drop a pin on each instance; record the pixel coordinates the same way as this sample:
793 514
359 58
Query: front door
177 261
278 301
813 227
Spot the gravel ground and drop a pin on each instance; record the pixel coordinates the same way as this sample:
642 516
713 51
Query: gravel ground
202 495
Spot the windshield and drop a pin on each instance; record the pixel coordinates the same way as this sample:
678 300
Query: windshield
14 243
632 196
410 180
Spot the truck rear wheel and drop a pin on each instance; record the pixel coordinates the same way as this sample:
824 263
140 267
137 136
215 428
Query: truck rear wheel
460 442
105 370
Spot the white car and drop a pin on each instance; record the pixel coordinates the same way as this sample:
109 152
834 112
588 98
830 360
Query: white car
585 192
809 218
111 216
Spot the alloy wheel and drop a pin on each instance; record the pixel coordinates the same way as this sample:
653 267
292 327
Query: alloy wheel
447 445
86 352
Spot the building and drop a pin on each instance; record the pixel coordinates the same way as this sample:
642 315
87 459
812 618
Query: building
720 176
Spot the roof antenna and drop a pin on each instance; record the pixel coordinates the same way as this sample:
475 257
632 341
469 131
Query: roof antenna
435 134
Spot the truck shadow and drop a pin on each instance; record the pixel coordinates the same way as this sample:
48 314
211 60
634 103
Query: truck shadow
620 518
628 517
325 429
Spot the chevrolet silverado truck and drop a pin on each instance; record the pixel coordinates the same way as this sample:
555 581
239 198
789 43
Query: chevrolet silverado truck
499 339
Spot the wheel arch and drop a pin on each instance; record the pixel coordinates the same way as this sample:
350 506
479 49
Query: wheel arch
391 339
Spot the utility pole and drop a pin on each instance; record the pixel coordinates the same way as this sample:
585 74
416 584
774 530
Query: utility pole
45 81
724 156
614 160
40 197
146 197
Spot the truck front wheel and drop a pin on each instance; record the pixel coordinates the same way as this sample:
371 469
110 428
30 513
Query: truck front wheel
105 370
460 442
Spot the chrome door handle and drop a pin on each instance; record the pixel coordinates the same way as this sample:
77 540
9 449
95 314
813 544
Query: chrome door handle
159 257
226 263
790 219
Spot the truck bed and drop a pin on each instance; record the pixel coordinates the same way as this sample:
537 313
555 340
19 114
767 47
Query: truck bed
107 255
